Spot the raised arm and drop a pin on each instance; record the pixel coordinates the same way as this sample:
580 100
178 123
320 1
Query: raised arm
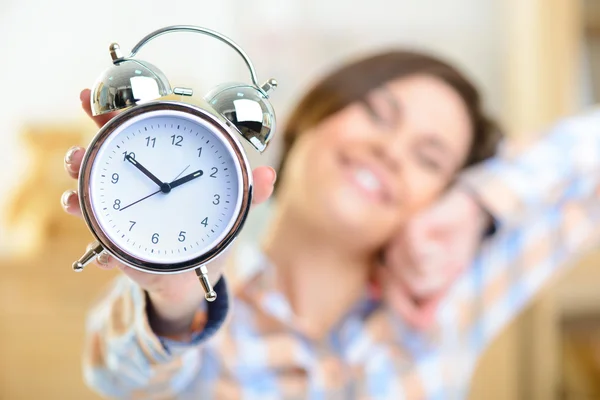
546 202
563 164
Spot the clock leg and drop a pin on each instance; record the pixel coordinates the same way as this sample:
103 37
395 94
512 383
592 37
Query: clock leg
93 250
209 293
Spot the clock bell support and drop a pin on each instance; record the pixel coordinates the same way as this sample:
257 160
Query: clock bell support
209 292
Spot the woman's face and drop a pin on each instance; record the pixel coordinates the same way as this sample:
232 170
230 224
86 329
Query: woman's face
366 169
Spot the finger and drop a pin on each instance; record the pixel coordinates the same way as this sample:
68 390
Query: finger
418 314
419 276
400 259
264 179
100 120
421 280
397 297
72 161
424 316
70 202
106 261
103 260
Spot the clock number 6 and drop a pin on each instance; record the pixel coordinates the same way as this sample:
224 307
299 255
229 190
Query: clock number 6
155 238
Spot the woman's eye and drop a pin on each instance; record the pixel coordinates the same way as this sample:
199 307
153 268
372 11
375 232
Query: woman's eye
381 111
373 114
429 162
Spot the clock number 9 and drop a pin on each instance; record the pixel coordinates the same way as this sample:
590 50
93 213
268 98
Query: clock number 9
155 238
115 178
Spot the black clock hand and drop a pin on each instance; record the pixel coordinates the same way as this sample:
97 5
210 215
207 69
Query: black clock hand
158 191
137 201
186 179
164 187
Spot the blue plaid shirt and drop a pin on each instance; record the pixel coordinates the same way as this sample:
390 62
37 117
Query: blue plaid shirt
545 199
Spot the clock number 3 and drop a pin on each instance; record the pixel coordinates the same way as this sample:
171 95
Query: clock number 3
217 199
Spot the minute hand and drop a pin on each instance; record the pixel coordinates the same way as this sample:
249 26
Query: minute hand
185 179
144 170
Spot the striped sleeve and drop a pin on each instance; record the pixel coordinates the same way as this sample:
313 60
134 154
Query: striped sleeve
547 203
123 358
564 164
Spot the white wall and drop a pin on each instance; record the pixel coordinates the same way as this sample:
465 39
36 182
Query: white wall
50 50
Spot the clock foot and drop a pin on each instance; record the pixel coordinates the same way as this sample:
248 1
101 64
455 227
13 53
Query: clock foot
93 250
209 293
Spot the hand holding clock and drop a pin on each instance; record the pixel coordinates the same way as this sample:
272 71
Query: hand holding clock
174 298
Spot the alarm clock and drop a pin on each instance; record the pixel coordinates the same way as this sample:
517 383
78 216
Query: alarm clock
165 186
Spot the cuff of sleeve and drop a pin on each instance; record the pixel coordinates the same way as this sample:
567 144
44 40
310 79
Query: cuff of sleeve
162 349
215 313
493 224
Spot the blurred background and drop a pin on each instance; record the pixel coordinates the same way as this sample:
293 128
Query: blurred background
534 60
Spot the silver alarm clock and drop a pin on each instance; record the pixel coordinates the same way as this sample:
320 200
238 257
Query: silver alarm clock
165 186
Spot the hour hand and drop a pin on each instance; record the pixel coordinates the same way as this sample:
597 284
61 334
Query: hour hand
187 178
163 187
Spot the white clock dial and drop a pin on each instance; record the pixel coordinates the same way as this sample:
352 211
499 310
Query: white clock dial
165 188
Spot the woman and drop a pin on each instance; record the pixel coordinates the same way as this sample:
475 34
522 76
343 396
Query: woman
367 152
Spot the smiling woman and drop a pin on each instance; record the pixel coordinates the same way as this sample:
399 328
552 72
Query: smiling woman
378 149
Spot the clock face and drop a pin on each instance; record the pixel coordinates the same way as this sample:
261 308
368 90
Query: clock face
165 187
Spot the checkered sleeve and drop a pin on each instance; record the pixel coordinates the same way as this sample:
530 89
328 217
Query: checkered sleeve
124 358
563 165
546 201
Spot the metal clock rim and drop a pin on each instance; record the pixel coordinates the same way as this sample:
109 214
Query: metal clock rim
93 224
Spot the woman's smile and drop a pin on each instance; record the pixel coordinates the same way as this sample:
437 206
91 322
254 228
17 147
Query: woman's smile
370 179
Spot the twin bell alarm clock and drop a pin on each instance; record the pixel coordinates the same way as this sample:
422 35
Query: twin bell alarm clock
165 186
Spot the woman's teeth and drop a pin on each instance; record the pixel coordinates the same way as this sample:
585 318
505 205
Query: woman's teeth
367 180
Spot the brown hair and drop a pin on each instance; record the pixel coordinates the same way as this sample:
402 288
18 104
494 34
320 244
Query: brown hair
354 81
